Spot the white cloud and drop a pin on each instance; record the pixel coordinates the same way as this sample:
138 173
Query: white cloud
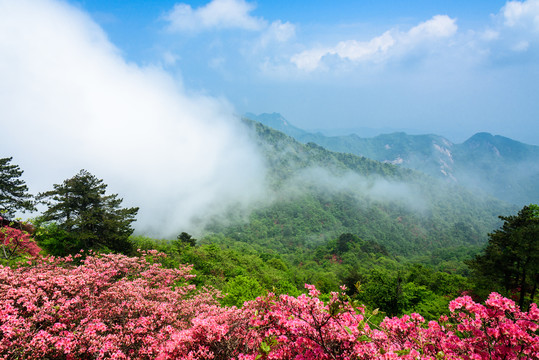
279 32
355 50
218 14
379 48
440 26
375 188
516 27
522 14
68 101
489 35
169 58
309 60
522 45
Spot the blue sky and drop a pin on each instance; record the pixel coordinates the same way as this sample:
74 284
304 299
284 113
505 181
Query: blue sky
447 67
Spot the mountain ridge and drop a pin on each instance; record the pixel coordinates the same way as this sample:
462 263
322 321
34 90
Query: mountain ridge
317 194
497 165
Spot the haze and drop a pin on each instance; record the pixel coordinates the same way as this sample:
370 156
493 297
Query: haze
69 101
147 96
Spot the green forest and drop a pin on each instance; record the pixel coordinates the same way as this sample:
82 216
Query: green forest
399 240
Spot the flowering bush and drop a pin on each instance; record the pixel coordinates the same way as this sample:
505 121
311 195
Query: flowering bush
306 328
16 242
111 306
118 307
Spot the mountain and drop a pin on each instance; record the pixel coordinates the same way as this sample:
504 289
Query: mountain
317 194
278 122
496 165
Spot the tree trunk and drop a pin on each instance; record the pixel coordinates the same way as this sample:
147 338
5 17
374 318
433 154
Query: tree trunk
522 288
534 289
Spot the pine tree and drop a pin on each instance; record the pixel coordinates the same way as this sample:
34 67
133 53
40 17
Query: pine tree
13 191
510 262
86 216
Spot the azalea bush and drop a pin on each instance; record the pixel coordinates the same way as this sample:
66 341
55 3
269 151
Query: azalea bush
118 307
108 306
16 242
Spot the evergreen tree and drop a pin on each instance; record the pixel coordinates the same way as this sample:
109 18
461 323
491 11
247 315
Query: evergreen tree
510 261
13 191
186 239
86 217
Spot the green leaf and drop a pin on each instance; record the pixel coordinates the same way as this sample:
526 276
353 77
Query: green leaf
265 347
364 338
402 352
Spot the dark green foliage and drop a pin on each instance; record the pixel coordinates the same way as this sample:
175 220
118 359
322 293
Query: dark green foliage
186 239
14 194
241 289
57 241
383 289
510 262
218 261
84 217
344 241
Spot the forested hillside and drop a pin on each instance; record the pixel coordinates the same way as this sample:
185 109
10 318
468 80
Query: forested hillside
495 165
318 194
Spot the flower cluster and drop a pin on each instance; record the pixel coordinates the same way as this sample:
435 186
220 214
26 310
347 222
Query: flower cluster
16 242
109 306
118 307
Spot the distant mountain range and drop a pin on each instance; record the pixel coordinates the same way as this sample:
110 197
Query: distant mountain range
496 165
314 195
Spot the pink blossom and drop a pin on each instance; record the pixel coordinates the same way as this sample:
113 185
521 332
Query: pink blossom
117 307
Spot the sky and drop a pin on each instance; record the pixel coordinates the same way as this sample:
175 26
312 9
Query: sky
147 95
451 68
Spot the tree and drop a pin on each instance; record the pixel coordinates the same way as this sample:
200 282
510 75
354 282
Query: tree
186 239
241 289
511 259
383 290
91 219
344 241
15 243
13 191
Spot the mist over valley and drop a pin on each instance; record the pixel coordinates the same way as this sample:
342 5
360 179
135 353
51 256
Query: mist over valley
495 165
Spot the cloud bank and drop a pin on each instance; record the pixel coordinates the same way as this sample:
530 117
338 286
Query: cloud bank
68 100
371 188
522 14
515 28
390 43
218 14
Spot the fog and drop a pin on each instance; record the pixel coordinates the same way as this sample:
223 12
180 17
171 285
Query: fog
363 188
69 101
